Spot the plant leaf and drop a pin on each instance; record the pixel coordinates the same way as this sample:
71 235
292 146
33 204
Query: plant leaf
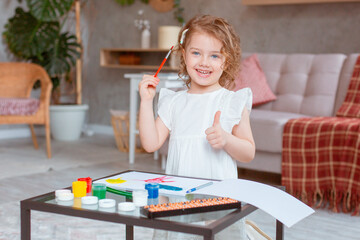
27 37
49 10
125 2
62 55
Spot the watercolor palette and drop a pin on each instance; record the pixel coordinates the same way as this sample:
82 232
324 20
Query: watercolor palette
190 207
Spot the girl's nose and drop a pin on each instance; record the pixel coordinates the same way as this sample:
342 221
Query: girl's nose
204 61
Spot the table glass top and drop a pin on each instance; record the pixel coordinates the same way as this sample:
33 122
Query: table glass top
194 218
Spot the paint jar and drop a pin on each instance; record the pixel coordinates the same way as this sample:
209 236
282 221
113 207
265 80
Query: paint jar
90 206
89 202
153 201
109 210
107 203
126 206
65 197
153 190
88 181
79 189
99 190
139 197
60 192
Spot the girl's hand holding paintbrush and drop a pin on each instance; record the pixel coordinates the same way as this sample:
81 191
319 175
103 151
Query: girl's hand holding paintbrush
147 87
152 133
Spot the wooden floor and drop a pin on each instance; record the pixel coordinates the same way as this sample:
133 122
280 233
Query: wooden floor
26 172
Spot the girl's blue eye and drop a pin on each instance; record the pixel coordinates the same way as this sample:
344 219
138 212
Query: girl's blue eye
214 56
196 53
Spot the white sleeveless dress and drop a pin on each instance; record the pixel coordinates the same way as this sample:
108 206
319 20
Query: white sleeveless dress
187 116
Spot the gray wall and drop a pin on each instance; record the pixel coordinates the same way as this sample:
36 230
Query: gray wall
306 28
7 10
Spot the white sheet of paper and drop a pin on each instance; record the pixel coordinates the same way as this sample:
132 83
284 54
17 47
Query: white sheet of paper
136 181
281 205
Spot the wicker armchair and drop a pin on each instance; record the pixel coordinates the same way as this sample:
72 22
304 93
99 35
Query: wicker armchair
16 82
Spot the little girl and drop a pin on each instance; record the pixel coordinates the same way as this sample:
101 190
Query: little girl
208 124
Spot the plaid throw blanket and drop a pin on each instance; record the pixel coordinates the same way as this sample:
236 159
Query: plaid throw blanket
351 104
321 155
321 162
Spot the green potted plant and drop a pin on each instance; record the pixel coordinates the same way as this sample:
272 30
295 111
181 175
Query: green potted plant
37 35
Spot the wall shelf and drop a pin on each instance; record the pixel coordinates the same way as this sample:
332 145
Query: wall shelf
134 58
278 2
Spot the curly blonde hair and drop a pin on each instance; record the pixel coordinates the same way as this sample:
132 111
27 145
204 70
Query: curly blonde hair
225 33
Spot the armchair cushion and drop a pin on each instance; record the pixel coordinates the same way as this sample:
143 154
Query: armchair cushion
18 106
251 75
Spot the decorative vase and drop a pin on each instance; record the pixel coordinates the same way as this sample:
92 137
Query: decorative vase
66 121
145 38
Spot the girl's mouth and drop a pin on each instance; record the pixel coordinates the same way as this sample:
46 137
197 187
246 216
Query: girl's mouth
203 73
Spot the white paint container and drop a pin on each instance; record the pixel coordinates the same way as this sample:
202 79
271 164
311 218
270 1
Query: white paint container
61 191
89 200
140 197
126 206
107 203
64 195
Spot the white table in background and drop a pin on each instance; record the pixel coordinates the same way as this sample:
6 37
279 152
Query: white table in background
167 80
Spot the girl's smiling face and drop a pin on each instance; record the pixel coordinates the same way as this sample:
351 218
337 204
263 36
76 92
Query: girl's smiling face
204 62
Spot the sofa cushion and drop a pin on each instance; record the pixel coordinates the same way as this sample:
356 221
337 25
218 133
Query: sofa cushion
251 75
264 161
267 128
18 106
303 83
351 105
345 78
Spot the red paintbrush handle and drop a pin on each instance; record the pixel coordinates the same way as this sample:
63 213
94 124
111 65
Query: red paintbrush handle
161 65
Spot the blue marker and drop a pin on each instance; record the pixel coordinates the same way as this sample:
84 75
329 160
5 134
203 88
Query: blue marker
199 187
172 188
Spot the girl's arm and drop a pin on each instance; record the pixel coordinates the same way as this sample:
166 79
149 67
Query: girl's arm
153 133
239 144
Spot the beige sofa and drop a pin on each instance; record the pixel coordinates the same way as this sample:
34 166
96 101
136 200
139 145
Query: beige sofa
305 85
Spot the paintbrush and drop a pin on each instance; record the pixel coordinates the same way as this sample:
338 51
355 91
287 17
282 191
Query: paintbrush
162 64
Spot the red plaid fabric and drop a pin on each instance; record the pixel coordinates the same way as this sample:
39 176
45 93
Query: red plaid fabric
351 104
321 162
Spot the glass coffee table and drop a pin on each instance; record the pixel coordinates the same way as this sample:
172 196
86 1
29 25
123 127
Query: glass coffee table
204 224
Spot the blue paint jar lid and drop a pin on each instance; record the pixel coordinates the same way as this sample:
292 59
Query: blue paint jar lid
151 185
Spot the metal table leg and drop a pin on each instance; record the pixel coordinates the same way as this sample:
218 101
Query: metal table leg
25 222
279 230
133 113
129 232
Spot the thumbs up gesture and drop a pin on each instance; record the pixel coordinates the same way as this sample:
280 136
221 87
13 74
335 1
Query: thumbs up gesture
215 135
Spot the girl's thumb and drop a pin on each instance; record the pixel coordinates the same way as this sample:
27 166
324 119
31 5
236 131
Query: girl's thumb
217 118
